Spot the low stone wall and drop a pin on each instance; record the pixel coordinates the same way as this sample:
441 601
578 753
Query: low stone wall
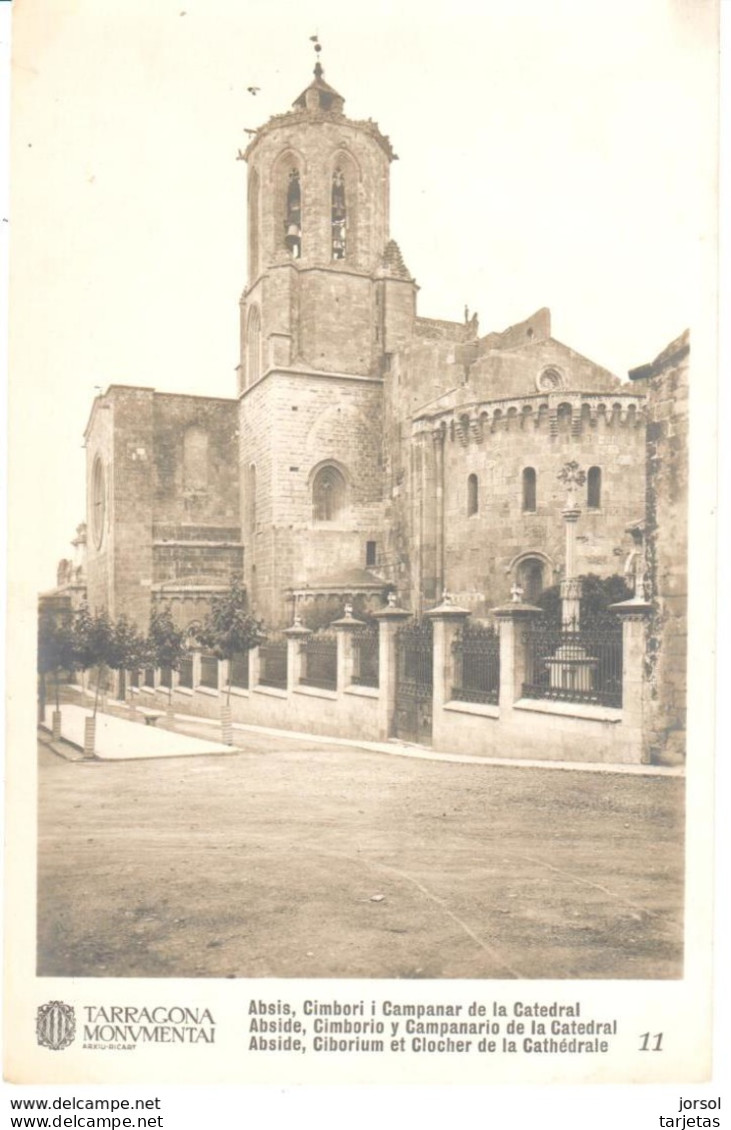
515 727
348 713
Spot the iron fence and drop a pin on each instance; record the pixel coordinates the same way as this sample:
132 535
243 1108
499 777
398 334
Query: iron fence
415 661
365 657
320 666
209 672
476 650
574 664
239 670
273 663
185 675
166 677
149 676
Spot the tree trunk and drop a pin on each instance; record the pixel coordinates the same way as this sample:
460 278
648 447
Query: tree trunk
96 691
226 724
89 736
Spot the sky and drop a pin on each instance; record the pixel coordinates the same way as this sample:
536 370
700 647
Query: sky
550 154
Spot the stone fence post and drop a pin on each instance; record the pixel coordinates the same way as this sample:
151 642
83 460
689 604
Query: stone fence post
634 615
296 635
447 619
511 618
254 667
345 627
389 620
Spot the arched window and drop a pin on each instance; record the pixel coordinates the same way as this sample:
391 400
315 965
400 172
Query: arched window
339 216
253 224
98 502
253 345
293 215
195 459
530 578
472 495
529 489
251 497
328 494
594 488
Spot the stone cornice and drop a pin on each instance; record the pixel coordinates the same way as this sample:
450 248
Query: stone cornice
308 374
318 117
472 421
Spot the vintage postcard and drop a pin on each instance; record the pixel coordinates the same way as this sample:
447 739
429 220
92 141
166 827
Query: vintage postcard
362 480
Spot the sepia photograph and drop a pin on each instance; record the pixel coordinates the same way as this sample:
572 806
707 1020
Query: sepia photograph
355 359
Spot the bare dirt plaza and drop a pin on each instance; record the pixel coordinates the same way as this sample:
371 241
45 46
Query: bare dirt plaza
265 862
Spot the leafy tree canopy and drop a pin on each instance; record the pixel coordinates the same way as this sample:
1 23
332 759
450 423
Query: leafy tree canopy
166 642
597 594
229 628
56 644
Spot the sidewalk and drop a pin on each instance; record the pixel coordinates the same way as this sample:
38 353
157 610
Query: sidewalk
393 748
121 740
403 749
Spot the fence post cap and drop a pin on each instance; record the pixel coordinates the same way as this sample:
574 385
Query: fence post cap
447 611
392 612
297 631
347 622
632 607
516 611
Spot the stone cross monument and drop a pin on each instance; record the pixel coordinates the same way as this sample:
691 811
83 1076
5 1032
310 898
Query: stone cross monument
572 477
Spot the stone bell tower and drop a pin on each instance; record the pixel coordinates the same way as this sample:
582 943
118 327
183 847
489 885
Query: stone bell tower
327 300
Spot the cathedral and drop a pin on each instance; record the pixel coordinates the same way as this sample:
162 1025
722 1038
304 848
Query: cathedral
366 450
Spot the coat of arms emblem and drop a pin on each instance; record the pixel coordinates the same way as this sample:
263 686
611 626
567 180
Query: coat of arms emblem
55 1025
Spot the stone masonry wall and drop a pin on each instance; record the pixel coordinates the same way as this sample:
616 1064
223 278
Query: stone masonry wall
666 543
100 557
480 550
291 425
161 529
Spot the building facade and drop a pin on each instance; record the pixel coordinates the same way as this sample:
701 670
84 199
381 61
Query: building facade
368 449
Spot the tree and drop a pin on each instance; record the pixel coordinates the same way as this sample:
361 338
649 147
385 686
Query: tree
166 643
56 651
229 629
129 646
597 594
94 645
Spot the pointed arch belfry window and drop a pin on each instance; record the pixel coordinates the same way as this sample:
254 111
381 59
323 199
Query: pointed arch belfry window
253 345
339 215
253 224
293 216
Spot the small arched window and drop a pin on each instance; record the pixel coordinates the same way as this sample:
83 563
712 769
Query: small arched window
472 495
328 494
293 215
253 345
339 215
195 459
530 578
594 488
529 489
